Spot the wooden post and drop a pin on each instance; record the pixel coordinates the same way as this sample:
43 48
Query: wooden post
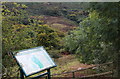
21 74
73 74
48 70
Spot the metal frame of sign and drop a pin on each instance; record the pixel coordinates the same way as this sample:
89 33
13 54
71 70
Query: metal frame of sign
22 70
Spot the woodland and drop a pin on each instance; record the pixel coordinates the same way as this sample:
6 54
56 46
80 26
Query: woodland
89 31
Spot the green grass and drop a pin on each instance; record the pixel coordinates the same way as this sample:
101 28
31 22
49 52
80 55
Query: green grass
64 64
69 63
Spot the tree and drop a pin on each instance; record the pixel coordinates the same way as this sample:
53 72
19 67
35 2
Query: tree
48 37
21 32
97 39
111 31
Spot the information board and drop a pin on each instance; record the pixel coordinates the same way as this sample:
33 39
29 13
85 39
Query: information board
34 60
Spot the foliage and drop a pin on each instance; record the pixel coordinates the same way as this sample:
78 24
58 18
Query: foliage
47 37
110 31
73 11
51 9
13 9
96 40
54 53
21 32
20 37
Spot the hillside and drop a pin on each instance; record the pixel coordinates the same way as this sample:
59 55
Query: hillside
58 23
76 36
54 9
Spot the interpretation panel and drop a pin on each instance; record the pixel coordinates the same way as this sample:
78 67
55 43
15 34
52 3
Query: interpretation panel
34 60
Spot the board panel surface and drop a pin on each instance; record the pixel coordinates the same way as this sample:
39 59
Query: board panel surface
34 60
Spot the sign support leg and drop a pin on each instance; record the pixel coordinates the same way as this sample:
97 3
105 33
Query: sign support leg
48 74
21 74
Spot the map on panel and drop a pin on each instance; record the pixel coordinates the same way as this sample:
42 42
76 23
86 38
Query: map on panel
34 60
